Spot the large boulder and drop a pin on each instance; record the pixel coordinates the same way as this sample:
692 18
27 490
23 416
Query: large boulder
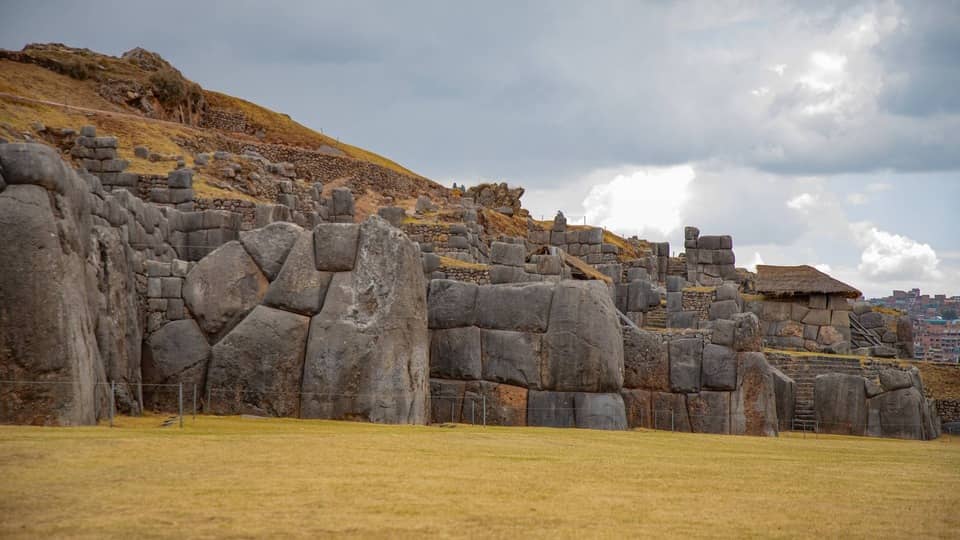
368 349
256 368
638 405
270 245
709 412
786 391
686 356
600 411
335 246
223 287
897 414
119 336
895 379
719 367
511 357
175 354
583 348
455 353
47 332
670 412
840 403
517 306
753 406
646 363
299 287
452 303
551 409
506 405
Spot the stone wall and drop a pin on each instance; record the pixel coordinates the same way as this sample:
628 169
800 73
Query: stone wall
948 409
586 244
247 210
710 259
537 354
816 323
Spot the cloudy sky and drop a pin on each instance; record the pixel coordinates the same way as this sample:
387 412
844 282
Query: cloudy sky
825 133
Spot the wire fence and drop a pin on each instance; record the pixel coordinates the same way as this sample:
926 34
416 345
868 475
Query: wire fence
21 400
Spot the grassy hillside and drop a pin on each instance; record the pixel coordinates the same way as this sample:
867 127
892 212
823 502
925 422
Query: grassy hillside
83 78
234 477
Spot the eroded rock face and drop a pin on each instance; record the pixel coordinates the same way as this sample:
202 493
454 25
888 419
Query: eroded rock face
223 287
270 245
840 404
177 353
367 353
583 347
753 406
898 413
645 360
45 284
257 367
299 287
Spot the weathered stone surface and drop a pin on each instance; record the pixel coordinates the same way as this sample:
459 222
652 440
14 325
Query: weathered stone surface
506 405
900 414
455 353
871 320
507 254
452 303
256 368
819 317
638 405
118 319
641 296
746 336
753 406
686 356
786 390
670 412
394 215
719 368
840 404
522 307
723 332
583 348
645 360
724 309
895 379
46 326
177 353
709 412
551 409
299 287
511 357
270 245
600 411
223 287
335 246
455 401
368 348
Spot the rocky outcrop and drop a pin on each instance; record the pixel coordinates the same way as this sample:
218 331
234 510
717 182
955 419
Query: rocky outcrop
367 354
854 405
48 310
223 287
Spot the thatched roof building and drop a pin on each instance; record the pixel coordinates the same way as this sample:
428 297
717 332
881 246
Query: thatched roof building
803 280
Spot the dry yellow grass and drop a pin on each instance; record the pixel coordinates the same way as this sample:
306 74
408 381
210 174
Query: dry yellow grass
238 477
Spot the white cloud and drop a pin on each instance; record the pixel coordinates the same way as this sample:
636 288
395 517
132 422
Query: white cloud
803 202
778 69
644 200
856 198
877 187
889 256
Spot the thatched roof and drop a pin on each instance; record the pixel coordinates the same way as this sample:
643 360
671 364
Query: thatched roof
582 270
799 281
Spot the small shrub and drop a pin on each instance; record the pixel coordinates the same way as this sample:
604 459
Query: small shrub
168 86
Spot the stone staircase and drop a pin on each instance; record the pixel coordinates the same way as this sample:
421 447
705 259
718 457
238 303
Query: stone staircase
655 318
804 370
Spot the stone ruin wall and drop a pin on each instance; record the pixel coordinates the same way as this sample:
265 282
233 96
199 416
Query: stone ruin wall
168 311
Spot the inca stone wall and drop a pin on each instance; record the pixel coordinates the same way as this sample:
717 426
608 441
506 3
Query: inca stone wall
538 354
818 323
710 259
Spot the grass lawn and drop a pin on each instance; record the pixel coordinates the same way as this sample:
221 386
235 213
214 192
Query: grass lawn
242 477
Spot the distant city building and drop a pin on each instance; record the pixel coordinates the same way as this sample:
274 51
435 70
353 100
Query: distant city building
936 329
937 340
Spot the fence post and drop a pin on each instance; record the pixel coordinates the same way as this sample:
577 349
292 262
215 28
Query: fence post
194 402
671 420
208 406
473 420
180 402
484 410
113 404
140 396
453 403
